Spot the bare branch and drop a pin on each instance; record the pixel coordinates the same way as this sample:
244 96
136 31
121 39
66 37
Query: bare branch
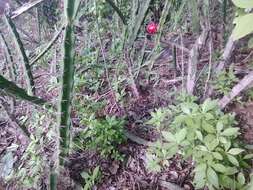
24 8
48 47
193 61
237 89
226 54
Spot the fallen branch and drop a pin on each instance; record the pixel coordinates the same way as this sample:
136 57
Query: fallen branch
237 89
11 88
169 185
24 8
169 43
48 47
193 61
138 140
13 120
226 54
118 11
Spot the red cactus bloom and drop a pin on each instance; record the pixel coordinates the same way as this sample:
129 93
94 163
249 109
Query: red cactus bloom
152 28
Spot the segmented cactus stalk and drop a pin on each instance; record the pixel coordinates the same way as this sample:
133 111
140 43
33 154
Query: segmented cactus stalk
67 82
25 60
64 120
12 89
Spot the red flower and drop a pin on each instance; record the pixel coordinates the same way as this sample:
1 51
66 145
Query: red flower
152 28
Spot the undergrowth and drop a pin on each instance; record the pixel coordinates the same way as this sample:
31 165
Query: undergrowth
203 133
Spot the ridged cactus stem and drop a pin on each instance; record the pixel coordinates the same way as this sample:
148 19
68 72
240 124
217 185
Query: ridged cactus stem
21 50
64 119
67 83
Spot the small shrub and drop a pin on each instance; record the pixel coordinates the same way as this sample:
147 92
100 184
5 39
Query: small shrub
207 136
225 81
91 178
103 135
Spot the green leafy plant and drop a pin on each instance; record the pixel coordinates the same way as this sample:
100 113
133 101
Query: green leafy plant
29 171
243 21
207 136
225 81
103 135
91 178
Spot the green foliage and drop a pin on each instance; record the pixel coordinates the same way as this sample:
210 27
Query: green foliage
31 168
103 135
91 178
208 136
91 72
243 21
29 174
249 94
225 81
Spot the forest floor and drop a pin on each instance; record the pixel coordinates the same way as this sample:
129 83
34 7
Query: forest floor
131 174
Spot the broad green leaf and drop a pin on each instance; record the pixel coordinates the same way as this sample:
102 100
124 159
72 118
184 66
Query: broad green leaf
219 126
185 108
208 105
199 135
201 167
231 170
180 136
248 156
189 122
209 116
213 144
244 26
227 182
208 127
219 168
233 160
212 177
217 155
85 175
235 151
96 172
200 175
168 136
202 148
241 179
223 140
227 145
246 4
250 43
230 131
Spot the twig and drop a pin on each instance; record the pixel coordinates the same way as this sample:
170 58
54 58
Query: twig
236 90
48 47
104 60
210 59
13 119
131 76
226 54
24 8
193 61
169 185
118 11
138 140
181 47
